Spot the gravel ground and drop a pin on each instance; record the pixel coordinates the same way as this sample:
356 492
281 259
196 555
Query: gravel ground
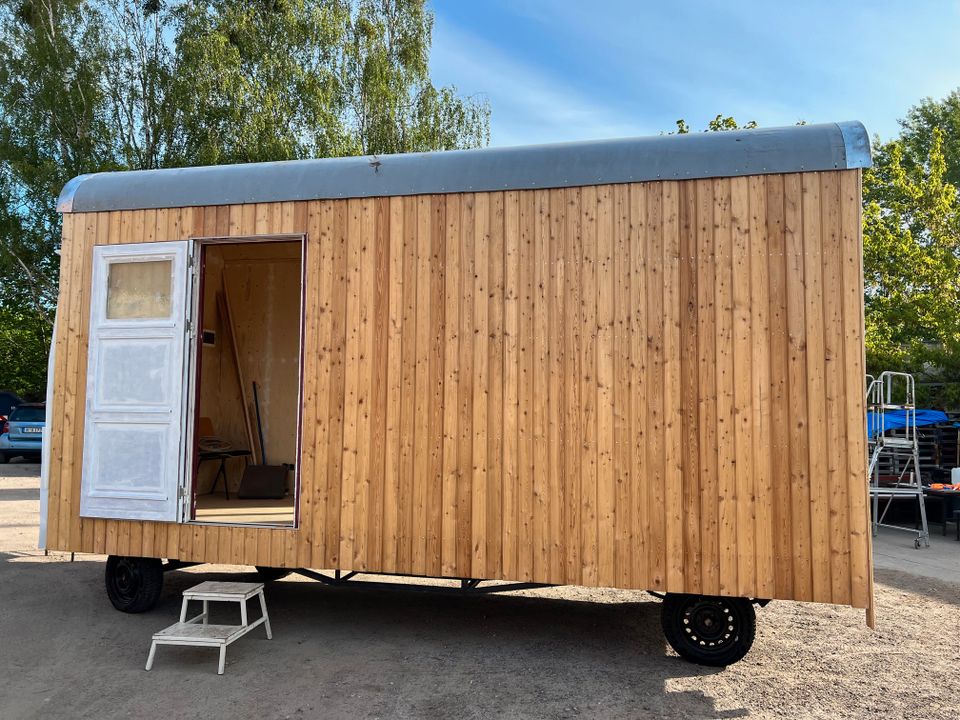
356 652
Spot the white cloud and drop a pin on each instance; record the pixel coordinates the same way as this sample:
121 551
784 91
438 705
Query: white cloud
575 69
774 63
529 104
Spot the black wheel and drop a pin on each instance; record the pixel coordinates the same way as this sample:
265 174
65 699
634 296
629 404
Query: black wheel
133 583
715 631
3 459
269 574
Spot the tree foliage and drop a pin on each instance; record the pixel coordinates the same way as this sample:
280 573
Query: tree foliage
260 81
23 335
50 130
911 223
94 85
718 124
917 137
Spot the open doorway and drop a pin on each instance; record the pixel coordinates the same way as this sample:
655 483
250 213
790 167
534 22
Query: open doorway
246 429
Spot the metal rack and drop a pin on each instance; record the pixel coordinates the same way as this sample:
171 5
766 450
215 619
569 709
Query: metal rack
894 391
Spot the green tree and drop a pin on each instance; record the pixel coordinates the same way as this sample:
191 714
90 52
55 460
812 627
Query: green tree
393 106
136 78
916 134
51 128
911 247
23 336
718 124
259 81
94 85
286 79
911 222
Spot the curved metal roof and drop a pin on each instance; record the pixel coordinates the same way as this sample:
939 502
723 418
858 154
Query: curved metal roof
800 148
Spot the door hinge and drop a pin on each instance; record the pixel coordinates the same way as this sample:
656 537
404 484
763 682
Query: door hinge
181 492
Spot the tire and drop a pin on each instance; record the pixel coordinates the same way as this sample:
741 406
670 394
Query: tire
708 630
3 459
133 584
269 574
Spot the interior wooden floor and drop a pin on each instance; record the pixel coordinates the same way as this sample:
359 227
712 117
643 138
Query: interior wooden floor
216 508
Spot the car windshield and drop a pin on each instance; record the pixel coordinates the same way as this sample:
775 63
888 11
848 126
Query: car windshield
8 402
28 414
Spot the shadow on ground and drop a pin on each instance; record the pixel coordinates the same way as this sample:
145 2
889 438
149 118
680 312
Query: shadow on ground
9 493
340 651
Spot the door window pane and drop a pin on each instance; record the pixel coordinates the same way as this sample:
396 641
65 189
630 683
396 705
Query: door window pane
139 290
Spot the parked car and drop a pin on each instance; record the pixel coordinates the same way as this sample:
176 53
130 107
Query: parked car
8 401
22 432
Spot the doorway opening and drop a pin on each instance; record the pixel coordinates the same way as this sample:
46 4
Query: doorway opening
248 371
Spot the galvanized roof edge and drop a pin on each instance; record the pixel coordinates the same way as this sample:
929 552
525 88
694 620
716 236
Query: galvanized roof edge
65 201
801 148
856 144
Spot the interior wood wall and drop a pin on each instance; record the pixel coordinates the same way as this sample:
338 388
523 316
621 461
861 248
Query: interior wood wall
264 290
655 385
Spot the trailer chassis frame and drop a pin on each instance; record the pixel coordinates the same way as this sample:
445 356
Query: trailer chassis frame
471 585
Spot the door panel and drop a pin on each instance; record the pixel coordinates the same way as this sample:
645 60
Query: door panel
127 362
134 434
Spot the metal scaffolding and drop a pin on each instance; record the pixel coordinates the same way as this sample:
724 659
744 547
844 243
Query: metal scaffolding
893 392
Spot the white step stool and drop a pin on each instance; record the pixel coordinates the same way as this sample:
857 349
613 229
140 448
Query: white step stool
189 632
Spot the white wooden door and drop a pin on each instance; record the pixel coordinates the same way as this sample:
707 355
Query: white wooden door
134 430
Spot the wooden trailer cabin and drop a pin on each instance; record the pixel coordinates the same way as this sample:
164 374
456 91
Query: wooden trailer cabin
632 363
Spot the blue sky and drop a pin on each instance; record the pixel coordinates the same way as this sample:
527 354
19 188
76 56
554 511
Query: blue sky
556 70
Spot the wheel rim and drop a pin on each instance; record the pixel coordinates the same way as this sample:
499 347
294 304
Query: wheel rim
710 625
126 581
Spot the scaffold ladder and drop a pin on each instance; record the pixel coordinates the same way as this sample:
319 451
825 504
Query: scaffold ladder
889 392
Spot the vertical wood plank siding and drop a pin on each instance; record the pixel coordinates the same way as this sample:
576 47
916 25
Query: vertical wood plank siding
656 385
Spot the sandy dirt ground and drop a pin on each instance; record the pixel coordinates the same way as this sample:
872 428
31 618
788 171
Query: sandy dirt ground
356 652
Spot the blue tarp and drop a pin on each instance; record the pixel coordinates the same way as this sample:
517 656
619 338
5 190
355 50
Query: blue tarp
896 419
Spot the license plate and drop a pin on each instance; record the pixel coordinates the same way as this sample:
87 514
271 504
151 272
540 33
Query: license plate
33 430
